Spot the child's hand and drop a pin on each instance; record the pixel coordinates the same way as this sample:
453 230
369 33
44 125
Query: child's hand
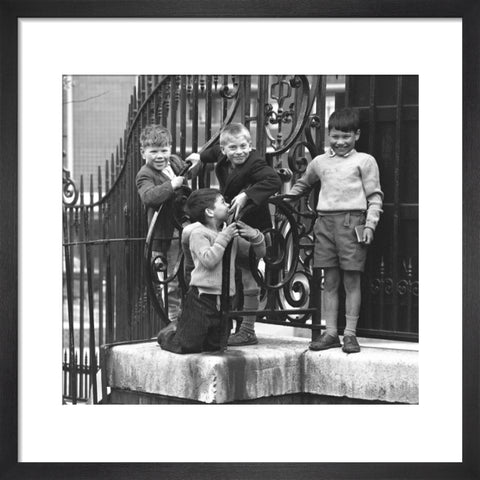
246 231
231 230
177 182
194 158
367 236
238 203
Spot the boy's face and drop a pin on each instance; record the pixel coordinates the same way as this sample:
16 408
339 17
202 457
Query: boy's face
237 149
220 209
157 157
342 142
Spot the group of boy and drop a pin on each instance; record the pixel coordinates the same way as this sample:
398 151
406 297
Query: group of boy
349 205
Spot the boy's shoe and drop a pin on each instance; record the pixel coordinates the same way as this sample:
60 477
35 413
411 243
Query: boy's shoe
242 338
350 344
325 342
165 332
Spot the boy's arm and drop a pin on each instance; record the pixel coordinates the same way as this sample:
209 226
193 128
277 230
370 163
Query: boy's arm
152 195
306 182
211 155
264 182
373 192
250 236
208 255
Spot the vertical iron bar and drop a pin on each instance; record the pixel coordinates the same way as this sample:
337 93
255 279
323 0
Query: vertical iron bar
110 327
195 100
396 203
183 116
367 320
225 297
224 100
245 105
112 169
320 111
164 103
372 116
262 101
91 325
82 277
103 373
107 177
100 210
127 254
71 325
173 113
347 90
77 384
208 108
65 376
156 108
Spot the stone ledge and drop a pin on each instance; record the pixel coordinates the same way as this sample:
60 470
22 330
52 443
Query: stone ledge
274 367
388 375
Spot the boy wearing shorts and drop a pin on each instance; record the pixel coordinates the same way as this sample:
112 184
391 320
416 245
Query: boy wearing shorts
350 196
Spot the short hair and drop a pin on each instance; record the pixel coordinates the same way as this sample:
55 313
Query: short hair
234 130
198 201
155 136
346 120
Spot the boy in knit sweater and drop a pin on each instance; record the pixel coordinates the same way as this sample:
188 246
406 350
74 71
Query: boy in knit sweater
199 326
350 196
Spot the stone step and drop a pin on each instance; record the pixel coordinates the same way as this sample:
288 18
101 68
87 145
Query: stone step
277 366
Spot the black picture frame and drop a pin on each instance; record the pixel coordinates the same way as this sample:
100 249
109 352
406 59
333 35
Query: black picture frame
11 10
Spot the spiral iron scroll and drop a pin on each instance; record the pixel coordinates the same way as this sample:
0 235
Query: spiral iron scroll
70 191
288 264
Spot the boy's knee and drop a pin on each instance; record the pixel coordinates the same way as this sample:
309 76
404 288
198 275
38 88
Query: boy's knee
351 280
332 280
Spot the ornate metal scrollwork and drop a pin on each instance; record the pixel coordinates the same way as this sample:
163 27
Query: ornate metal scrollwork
381 284
286 271
408 285
229 93
288 108
298 164
70 191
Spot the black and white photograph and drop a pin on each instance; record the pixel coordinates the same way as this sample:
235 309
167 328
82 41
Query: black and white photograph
229 284
293 197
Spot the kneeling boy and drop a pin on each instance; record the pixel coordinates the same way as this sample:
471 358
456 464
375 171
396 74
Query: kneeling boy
199 327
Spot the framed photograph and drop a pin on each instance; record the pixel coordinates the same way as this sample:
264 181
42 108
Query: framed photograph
42 44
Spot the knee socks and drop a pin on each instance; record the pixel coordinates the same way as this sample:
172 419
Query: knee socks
351 325
250 302
331 325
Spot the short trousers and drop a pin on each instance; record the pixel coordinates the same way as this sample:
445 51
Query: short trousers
199 327
336 242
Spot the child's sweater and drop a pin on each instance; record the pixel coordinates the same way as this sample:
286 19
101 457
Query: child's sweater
188 264
207 248
346 183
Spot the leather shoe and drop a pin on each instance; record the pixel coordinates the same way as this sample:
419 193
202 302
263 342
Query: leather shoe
350 344
325 341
